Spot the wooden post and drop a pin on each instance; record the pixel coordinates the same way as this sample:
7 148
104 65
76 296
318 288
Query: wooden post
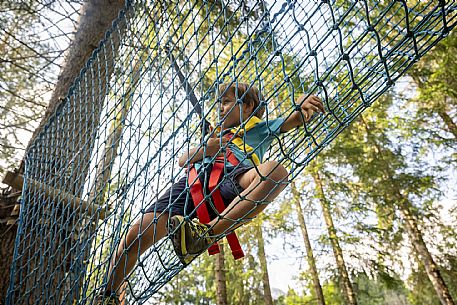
16 181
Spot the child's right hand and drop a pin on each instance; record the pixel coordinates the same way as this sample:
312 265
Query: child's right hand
214 144
195 154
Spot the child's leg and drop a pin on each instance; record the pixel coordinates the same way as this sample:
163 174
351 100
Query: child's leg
142 235
260 188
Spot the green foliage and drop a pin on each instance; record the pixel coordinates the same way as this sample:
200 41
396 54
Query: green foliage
382 290
332 293
330 289
194 285
292 298
434 79
422 292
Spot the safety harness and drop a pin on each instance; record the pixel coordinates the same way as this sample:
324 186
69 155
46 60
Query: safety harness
196 189
215 177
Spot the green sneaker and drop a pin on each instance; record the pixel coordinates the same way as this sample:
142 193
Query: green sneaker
189 238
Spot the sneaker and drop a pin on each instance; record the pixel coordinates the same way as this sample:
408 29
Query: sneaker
112 299
189 238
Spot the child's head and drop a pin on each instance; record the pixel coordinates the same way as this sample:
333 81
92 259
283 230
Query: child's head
229 108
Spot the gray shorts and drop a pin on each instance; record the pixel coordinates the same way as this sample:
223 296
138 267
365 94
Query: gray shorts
178 201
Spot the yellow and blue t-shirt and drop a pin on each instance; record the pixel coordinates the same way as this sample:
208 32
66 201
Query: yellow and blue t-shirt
256 136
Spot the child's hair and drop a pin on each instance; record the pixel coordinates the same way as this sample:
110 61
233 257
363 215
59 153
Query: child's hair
251 95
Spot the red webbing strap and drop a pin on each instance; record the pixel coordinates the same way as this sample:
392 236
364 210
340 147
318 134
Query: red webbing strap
215 178
196 191
231 158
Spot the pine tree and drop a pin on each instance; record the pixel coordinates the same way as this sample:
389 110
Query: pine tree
345 280
435 77
309 251
382 169
268 299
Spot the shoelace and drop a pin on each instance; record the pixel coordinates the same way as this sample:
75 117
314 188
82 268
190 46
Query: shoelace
203 231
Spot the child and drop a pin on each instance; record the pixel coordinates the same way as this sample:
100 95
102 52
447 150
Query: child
246 188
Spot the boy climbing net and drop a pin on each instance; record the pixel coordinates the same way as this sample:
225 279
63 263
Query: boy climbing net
241 189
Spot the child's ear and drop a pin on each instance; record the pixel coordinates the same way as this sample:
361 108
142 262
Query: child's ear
249 108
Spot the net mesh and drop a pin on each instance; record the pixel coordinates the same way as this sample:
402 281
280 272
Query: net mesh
112 147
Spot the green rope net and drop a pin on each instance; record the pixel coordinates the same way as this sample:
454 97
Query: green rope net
111 149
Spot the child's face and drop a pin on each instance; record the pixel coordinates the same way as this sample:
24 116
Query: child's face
229 110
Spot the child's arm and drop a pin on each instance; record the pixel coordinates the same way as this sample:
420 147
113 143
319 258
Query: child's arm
213 146
308 106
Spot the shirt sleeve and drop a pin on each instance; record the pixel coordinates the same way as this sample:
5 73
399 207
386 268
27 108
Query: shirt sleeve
273 125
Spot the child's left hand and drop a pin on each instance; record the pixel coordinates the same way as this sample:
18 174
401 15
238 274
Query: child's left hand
309 105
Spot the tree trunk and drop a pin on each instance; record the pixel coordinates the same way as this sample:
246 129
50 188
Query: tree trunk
96 18
268 299
7 239
447 119
348 291
414 234
309 250
221 282
64 149
425 257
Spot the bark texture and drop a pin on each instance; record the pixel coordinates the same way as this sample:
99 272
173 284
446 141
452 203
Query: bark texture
267 297
450 124
69 148
7 239
221 282
97 17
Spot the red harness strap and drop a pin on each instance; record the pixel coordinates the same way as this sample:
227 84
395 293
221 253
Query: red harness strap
196 191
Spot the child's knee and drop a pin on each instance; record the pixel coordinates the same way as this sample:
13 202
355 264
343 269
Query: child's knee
275 171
